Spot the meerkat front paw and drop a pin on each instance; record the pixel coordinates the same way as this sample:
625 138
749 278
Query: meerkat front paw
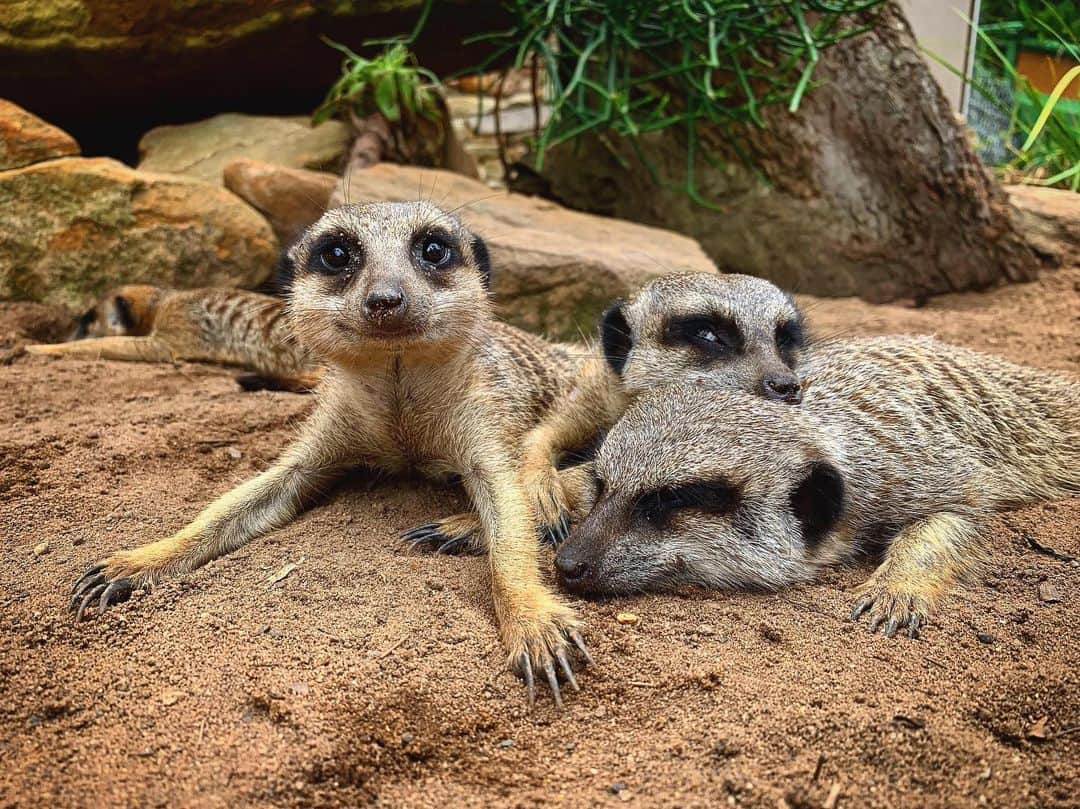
539 638
459 535
896 604
545 490
103 584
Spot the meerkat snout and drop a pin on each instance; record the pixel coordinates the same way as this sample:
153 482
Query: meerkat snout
386 304
782 386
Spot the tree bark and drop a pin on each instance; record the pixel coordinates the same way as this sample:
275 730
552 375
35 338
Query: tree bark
872 188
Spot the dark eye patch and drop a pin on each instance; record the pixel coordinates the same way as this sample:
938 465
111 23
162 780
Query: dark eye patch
713 497
790 337
334 254
713 335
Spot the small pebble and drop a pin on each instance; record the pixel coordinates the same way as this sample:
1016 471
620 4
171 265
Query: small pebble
627 618
985 638
41 549
617 787
506 744
234 453
1049 592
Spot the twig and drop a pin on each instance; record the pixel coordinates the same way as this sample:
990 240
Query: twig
386 653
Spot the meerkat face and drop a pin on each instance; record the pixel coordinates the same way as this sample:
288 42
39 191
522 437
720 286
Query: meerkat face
125 311
740 332
709 487
385 275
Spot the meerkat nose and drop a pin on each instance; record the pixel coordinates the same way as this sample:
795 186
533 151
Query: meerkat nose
782 388
571 568
384 303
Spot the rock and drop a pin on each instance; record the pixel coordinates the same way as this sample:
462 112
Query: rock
41 549
106 70
26 139
203 149
171 696
1049 592
76 226
627 618
291 199
1051 219
554 270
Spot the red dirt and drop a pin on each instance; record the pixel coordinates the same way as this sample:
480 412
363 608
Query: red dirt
372 674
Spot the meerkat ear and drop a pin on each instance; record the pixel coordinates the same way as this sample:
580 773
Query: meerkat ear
615 337
284 272
483 260
122 313
86 320
818 501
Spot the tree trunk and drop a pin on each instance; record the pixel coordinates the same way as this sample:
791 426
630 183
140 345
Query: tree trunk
871 188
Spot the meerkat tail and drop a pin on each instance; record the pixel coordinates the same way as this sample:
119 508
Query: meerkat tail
925 560
129 349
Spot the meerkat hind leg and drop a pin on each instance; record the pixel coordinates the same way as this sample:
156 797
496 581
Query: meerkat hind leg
922 563
130 349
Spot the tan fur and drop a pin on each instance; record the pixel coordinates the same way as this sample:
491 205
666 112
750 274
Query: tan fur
229 326
441 388
925 439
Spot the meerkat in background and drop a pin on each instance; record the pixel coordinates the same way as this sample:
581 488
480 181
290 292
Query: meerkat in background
905 444
394 299
228 326
739 332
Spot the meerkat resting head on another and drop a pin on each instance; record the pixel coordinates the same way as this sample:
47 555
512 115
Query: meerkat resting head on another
739 332
902 446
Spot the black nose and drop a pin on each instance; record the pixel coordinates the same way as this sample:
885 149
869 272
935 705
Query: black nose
571 568
782 388
383 303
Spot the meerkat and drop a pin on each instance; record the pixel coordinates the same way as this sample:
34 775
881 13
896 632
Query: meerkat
903 444
145 323
740 332
393 298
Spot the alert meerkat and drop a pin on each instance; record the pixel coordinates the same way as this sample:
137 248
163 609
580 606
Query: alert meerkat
420 376
739 332
146 323
905 444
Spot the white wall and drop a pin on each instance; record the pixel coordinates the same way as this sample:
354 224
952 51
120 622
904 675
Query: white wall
941 26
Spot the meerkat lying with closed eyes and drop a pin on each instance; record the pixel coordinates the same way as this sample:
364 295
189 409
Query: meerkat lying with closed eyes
143 323
737 331
901 442
393 298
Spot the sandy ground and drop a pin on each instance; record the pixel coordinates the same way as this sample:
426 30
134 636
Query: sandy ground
372 674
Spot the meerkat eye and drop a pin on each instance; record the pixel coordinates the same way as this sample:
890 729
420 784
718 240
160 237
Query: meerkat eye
713 335
335 256
435 251
713 497
789 335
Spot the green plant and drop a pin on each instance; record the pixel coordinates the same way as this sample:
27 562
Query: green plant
390 83
1048 127
630 67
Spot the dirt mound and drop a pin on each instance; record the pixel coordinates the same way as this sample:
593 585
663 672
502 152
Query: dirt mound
369 673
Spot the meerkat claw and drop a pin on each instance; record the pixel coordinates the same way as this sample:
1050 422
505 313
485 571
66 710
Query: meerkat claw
93 584
567 670
913 627
553 683
891 627
444 538
863 605
525 669
579 642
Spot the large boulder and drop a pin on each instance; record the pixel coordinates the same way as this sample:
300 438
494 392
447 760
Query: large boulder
108 70
555 270
203 149
74 227
26 139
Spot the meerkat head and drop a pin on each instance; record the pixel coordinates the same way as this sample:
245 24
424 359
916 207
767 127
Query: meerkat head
699 485
741 332
126 311
385 276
